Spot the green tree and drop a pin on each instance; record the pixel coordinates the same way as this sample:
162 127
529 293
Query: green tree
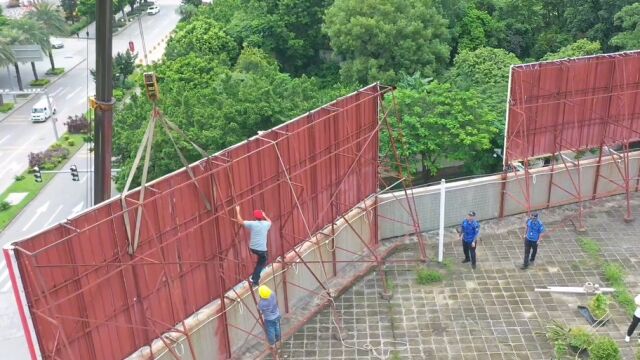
52 20
629 20
478 29
486 72
523 20
192 2
441 122
87 8
7 56
69 7
33 33
380 39
215 106
594 19
203 37
582 47
11 36
124 64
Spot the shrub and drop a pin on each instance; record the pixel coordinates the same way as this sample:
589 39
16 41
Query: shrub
590 247
6 107
53 155
614 274
426 276
580 338
18 177
118 94
71 142
78 124
66 137
558 334
625 299
40 82
56 71
4 205
79 26
604 348
599 306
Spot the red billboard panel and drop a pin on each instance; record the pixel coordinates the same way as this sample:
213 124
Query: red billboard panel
90 299
572 104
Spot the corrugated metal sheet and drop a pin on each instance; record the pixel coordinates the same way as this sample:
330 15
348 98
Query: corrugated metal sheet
90 299
573 104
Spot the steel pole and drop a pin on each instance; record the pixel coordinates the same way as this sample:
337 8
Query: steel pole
103 123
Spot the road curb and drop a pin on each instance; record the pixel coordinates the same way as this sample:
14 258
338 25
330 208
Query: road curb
126 26
16 108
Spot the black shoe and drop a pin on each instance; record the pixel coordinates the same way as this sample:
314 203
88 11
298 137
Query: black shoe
524 267
531 262
466 261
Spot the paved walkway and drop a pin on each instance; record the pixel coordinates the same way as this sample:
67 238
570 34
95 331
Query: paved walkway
490 313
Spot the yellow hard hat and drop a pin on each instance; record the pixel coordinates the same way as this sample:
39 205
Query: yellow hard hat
264 292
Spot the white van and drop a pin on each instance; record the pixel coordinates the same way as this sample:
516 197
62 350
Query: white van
40 111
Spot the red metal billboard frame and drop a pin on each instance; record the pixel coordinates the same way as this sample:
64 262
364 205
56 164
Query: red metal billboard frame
569 106
89 298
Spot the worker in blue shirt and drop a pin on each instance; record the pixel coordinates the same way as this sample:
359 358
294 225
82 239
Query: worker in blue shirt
469 231
534 231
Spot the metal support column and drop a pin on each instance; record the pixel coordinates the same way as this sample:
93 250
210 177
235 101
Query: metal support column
103 126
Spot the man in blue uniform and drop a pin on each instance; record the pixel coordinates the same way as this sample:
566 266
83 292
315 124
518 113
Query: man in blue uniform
535 228
469 231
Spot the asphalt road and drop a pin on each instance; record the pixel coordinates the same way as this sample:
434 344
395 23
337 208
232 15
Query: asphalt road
62 198
19 137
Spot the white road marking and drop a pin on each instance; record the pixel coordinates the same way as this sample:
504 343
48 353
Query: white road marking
77 209
5 138
52 217
14 166
17 151
54 93
72 93
40 210
83 179
5 273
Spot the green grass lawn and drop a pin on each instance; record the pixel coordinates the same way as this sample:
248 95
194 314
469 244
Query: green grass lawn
31 187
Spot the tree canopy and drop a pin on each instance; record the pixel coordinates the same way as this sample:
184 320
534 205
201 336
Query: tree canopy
379 40
238 66
629 20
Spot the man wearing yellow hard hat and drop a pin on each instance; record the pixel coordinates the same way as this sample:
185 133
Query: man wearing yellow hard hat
268 307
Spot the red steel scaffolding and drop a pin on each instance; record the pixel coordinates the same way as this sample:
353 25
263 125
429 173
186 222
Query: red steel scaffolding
558 109
91 297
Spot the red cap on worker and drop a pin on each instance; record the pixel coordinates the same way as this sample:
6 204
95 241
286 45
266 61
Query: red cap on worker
258 214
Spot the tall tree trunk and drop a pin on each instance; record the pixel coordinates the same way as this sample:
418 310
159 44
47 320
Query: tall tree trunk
18 76
1 100
423 161
124 15
53 65
35 73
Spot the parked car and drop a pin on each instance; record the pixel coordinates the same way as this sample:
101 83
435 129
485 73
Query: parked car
153 9
57 43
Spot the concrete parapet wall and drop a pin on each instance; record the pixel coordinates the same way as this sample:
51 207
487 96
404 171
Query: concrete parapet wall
293 280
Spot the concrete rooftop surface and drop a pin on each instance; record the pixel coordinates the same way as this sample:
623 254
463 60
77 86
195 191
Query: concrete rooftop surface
490 313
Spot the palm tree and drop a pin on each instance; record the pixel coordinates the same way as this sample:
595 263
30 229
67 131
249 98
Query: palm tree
52 19
35 33
7 57
12 37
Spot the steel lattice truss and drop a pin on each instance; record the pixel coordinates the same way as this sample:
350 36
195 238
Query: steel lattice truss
570 106
88 297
